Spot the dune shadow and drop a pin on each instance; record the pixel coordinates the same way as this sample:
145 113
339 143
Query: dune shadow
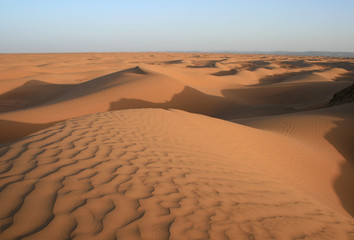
284 77
189 99
206 63
194 101
226 72
174 62
136 70
342 138
286 95
254 65
31 93
346 95
296 64
349 76
13 130
210 64
347 65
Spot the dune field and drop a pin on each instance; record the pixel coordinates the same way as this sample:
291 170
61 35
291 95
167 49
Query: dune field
176 146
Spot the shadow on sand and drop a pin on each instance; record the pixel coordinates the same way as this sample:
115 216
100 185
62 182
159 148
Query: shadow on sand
189 99
342 138
13 130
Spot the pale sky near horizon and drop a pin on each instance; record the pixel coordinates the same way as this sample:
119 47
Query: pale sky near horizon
183 25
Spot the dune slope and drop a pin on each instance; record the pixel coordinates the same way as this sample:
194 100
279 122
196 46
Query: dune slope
158 174
328 130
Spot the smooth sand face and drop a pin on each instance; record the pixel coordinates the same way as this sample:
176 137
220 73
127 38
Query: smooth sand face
110 157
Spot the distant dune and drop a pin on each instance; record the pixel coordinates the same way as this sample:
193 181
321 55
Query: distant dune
176 146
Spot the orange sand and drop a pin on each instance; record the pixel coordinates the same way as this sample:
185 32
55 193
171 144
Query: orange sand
175 146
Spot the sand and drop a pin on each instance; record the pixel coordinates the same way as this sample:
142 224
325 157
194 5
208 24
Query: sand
175 146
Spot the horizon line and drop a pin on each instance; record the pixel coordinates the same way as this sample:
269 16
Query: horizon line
314 53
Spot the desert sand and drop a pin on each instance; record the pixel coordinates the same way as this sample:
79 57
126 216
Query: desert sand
176 146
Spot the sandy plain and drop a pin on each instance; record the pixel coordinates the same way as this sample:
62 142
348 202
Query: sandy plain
176 146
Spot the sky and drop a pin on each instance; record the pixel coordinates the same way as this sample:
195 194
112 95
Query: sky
176 25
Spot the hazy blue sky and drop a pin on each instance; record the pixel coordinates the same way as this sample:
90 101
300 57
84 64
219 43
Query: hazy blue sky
176 25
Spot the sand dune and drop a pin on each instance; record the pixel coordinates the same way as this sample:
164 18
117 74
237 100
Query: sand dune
330 131
123 173
176 146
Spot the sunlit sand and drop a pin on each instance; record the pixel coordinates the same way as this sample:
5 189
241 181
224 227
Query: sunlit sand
176 145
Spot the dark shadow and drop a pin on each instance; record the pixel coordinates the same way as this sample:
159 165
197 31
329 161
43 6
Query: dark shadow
256 110
346 77
313 60
194 101
43 65
136 70
12 130
35 92
300 96
342 138
72 91
226 72
295 64
254 65
32 93
206 63
190 100
210 64
349 66
344 96
174 62
112 76
278 78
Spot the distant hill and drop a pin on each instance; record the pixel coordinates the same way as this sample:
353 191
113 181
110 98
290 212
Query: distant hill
307 53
